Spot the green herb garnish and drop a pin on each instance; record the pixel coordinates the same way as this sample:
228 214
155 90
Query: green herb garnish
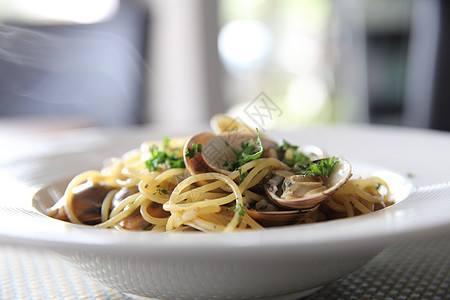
165 143
295 158
160 156
323 168
298 158
239 208
286 146
242 175
246 154
161 192
192 152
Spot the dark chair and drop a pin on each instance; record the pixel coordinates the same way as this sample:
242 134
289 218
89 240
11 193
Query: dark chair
427 101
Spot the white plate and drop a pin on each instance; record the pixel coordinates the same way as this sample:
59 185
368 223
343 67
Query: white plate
283 261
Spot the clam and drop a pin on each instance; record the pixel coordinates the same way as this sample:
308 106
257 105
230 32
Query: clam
279 217
304 192
313 152
268 214
86 203
275 218
196 164
218 149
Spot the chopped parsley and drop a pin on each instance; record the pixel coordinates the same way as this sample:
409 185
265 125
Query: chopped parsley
322 168
298 158
295 157
286 146
161 191
165 143
192 152
239 208
159 156
242 175
246 154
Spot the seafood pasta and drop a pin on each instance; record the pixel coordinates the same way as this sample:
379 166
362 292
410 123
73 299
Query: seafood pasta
233 179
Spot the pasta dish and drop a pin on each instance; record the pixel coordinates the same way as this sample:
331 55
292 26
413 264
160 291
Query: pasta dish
232 179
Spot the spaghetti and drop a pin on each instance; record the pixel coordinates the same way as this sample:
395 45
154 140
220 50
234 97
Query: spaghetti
170 186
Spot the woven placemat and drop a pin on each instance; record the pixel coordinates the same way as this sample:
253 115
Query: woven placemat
415 270
418 270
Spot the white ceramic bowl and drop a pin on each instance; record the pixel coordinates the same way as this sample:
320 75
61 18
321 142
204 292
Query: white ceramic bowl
277 262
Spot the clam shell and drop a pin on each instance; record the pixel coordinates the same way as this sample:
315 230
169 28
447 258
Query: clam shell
340 175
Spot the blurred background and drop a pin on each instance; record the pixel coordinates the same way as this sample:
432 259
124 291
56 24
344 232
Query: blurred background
286 63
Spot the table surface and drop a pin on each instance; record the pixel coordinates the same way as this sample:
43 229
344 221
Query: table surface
414 270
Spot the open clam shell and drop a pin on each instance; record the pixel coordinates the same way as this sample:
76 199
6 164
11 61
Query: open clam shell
196 164
313 152
278 218
218 149
307 193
